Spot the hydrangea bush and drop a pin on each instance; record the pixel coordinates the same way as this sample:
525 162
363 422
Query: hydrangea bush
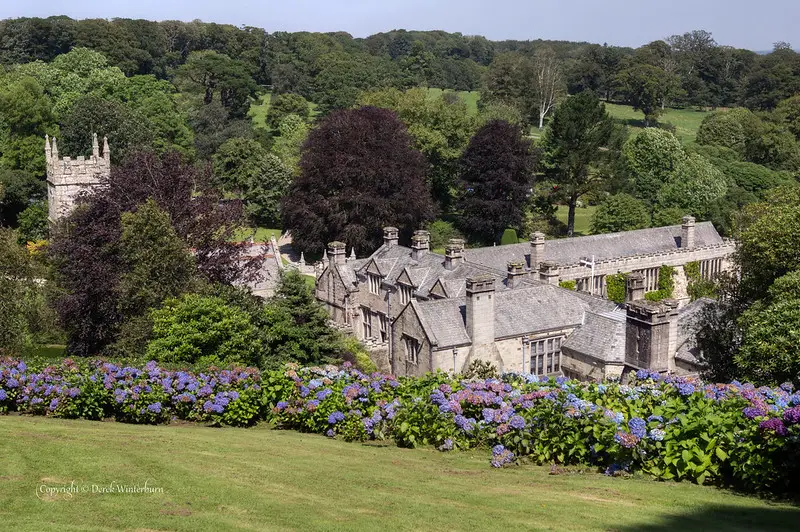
671 428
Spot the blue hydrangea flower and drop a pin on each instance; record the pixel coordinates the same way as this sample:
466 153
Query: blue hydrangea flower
638 427
155 408
516 422
656 434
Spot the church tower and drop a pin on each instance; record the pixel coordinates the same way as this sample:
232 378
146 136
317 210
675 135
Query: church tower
67 178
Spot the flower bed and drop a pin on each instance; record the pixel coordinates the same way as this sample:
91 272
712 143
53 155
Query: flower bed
668 427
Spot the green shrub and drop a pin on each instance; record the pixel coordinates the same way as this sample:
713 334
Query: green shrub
569 285
441 232
615 287
481 369
197 328
509 237
698 287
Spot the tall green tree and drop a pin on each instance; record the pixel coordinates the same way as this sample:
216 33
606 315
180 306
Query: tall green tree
646 87
620 212
651 158
496 178
572 147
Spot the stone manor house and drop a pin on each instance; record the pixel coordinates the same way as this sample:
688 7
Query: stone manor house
421 311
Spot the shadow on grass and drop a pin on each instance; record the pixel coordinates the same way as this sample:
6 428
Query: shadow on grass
725 517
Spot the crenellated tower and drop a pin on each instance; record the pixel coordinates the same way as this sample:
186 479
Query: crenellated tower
67 177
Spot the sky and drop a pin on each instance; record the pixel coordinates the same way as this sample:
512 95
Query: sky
755 25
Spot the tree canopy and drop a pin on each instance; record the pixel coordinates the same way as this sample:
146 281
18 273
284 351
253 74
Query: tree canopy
359 173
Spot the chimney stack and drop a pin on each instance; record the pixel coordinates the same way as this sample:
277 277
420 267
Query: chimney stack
420 244
651 338
549 272
687 232
390 236
336 252
634 286
516 274
453 253
537 250
480 309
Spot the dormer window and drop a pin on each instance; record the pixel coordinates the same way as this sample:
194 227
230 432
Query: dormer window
374 283
405 293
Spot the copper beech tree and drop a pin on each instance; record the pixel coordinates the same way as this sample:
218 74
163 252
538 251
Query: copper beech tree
358 173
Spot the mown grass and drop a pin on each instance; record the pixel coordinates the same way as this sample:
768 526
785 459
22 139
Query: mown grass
258 110
259 234
583 218
686 121
469 97
237 479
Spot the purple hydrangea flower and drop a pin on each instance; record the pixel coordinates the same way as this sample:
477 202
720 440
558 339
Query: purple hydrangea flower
335 417
154 408
322 394
516 422
447 445
791 415
685 388
3 395
775 425
752 412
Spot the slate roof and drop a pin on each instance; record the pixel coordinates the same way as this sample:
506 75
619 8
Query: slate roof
517 312
443 321
606 246
602 336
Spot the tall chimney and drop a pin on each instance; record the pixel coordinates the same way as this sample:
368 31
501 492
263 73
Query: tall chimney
480 309
420 244
390 236
634 287
537 251
516 274
687 232
454 253
549 272
652 334
336 252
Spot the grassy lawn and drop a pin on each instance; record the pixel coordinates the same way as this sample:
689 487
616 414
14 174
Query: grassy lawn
686 121
258 110
469 97
225 479
583 218
262 234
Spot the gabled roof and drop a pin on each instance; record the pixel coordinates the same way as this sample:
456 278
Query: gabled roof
600 336
443 321
605 246
517 312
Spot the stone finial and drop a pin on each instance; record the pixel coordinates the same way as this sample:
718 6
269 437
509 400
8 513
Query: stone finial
95 146
55 149
47 149
106 149
302 259
325 257
352 254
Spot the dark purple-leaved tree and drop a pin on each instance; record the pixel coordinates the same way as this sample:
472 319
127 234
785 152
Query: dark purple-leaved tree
496 178
358 173
87 252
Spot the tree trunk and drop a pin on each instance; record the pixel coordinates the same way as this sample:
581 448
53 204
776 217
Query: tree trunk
573 200
541 119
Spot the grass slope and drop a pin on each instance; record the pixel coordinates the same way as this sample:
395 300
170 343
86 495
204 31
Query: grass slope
686 121
469 97
583 218
229 479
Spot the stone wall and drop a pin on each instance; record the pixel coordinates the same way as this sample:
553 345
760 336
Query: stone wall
68 178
